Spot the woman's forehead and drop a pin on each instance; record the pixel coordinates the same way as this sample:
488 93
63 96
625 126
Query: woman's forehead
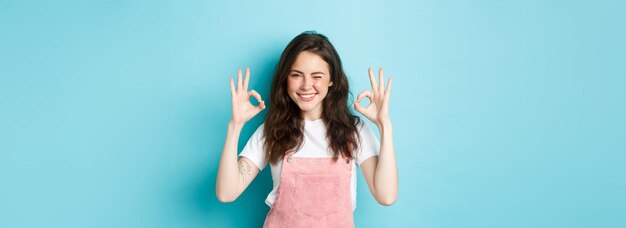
308 63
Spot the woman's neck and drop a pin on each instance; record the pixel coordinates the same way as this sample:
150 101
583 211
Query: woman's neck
311 115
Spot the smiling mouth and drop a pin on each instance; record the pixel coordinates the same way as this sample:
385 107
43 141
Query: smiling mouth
307 97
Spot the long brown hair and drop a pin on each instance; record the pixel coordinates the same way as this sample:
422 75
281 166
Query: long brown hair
284 125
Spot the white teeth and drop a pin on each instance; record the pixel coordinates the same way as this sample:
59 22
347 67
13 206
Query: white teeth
307 96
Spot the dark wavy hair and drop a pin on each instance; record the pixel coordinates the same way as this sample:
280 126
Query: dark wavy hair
284 125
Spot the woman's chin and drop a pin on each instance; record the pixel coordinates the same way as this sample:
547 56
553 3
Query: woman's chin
306 107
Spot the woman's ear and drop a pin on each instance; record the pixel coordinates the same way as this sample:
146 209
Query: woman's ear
330 84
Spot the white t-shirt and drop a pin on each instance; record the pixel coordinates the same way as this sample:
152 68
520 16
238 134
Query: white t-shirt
314 145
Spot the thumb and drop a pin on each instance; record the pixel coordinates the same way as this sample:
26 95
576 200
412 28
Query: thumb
358 107
261 105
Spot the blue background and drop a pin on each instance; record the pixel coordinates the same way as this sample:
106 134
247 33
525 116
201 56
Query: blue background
506 113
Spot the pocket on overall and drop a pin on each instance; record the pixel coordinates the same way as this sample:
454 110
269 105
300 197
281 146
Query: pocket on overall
317 195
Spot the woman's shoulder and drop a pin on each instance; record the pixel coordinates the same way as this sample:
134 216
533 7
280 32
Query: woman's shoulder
258 133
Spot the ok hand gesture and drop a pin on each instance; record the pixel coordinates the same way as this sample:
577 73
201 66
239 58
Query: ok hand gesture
243 110
378 109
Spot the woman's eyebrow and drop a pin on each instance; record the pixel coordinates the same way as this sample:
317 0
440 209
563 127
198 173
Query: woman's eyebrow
317 72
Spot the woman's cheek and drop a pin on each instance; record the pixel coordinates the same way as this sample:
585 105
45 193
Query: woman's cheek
318 84
292 84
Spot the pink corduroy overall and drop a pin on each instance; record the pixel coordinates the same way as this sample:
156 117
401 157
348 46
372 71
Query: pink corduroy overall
313 192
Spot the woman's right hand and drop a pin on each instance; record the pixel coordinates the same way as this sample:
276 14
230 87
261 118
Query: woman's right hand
243 110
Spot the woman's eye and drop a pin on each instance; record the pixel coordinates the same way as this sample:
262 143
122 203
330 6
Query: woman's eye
295 75
317 77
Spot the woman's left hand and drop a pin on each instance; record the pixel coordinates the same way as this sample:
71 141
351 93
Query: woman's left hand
378 109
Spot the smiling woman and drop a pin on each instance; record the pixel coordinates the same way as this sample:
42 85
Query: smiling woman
308 84
311 139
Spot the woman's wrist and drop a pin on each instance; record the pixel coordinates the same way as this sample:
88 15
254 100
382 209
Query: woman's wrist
385 124
236 125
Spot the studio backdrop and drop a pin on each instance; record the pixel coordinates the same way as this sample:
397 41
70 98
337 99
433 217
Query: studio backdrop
505 113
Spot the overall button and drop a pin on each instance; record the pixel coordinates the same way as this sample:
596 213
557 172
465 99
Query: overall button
289 160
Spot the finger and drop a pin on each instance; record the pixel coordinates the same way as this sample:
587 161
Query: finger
381 81
372 81
233 92
256 95
365 93
357 103
246 79
358 107
388 90
239 82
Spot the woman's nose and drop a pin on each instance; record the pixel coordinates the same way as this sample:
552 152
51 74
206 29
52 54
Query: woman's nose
307 83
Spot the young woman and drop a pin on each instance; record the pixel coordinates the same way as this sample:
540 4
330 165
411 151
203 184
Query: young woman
311 139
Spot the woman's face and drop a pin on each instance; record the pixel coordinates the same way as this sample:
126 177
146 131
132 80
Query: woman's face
308 82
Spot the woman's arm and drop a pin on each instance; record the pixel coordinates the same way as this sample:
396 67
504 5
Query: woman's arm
380 172
233 175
